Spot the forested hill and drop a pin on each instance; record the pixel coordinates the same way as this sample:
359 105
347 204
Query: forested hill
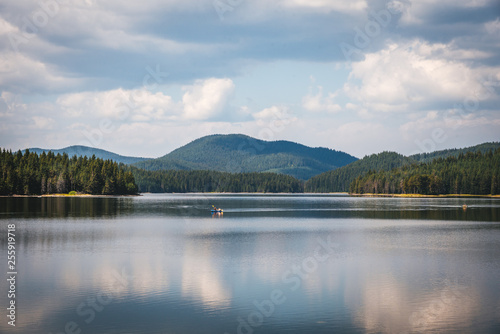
182 181
86 151
471 173
33 174
243 154
340 179
427 157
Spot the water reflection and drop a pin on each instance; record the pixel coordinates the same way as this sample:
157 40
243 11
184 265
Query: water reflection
191 273
390 306
200 281
63 207
259 206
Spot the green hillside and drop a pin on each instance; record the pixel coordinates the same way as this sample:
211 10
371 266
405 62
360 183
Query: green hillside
243 154
85 151
474 173
340 179
483 148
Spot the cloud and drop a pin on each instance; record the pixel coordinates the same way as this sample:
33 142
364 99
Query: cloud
449 123
107 45
10 104
422 11
493 27
131 42
416 74
318 102
272 123
328 5
89 61
139 105
45 123
274 115
206 98
24 125
22 74
202 100
6 27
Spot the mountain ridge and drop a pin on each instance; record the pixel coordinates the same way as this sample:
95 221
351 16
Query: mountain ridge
483 148
240 153
80 150
319 165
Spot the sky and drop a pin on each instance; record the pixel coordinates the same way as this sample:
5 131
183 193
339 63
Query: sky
142 78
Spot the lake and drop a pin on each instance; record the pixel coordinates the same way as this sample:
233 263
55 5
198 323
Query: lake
269 264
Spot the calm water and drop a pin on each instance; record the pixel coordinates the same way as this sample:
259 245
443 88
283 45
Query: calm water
269 264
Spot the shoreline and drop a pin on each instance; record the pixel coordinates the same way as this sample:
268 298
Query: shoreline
65 195
260 193
172 193
425 196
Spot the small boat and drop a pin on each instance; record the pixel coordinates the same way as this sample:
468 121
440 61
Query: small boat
216 210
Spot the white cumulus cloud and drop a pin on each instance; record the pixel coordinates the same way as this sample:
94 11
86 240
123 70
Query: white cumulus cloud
120 104
413 73
206 98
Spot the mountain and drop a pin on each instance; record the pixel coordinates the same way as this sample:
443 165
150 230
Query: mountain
340 179
483 148
238 153
79 150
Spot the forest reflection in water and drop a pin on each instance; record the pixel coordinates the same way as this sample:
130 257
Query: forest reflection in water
163 263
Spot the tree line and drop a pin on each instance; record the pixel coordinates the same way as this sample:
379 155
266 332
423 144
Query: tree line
47 173
31 174
182 181
340 179
428 157
470 173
